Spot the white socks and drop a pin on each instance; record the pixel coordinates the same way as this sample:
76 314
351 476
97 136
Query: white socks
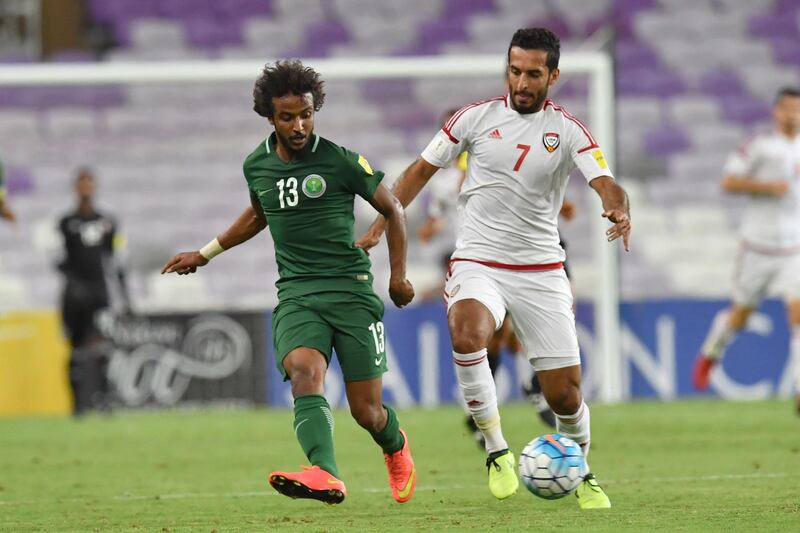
719 336
576 427
480 395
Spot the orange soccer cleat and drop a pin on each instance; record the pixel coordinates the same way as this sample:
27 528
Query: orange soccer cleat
702 370
402 474
312 482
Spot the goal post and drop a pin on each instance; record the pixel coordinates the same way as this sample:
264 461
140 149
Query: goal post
597 65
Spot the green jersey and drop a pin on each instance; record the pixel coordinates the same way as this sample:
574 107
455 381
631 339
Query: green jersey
308 204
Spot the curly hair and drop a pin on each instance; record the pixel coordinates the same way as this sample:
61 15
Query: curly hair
538 39
286 77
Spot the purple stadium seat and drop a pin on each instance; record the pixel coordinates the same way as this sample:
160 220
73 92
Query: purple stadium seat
459 8
19 180
435 33
787 50
72 56
213 33
772 26
744 109
721 83
389 91
322 35
665 141
650 82
183 9
556 24
243 8
631 55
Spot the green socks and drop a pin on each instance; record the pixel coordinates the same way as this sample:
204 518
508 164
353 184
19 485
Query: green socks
390 439
313 426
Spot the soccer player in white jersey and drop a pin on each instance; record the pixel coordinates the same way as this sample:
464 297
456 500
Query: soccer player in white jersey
767 170
522 149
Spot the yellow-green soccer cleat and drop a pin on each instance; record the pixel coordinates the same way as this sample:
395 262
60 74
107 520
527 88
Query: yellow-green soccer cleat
590 494
503 480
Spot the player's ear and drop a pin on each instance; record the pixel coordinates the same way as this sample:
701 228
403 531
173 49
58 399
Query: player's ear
554 74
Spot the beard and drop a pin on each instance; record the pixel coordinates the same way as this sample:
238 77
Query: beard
287 143
534 106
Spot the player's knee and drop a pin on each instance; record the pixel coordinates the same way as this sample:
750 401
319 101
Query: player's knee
469 338
564 400
369 416
306 379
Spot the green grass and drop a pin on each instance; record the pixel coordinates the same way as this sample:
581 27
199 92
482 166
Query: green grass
685 466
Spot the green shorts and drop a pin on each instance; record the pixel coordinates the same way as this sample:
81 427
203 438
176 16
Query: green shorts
351 323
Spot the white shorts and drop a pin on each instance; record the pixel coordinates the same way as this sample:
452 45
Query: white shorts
540 303
757 272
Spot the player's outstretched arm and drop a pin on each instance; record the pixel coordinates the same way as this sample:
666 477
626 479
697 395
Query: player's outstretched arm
400 290
405 189
6 212
615 208
247 226
745 185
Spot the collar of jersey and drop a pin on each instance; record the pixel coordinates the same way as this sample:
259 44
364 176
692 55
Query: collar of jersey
272 141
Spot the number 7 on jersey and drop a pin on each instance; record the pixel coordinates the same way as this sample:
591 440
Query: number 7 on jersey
525 149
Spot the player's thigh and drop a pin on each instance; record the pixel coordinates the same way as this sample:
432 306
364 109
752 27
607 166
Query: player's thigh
787 285
295 324
541 306
752 275
475 305
359 334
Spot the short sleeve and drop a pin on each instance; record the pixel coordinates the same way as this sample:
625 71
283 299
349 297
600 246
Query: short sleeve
742 162
453 139
362 180
585 152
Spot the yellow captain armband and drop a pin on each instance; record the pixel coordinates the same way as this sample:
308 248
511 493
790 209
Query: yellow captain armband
462 161
212 249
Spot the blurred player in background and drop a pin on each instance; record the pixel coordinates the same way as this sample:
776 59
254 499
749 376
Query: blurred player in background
94 280
766 169
303 187
5 211
522 148
443 217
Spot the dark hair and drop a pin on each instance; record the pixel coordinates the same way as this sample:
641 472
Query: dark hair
286 77
538 39
792 92
84 172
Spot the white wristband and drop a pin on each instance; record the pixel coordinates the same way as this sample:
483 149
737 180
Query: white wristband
212 249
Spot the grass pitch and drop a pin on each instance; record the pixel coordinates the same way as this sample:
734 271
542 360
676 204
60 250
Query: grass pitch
685 466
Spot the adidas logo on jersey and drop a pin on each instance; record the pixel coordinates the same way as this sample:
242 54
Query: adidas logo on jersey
495 134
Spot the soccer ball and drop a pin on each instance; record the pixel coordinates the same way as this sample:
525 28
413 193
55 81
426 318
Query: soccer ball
552 466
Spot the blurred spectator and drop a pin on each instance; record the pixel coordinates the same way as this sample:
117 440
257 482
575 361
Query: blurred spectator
5 211
94 281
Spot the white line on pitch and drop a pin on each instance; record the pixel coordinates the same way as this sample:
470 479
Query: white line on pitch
370 490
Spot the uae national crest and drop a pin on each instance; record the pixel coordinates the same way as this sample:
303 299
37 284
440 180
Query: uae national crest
551 141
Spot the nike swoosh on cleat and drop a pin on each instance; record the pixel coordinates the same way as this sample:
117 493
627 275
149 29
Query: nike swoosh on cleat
407 489
333 481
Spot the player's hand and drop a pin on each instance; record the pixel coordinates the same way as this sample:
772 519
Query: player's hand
7 213
367 241
567 210
185 263
621 227
400 291
778 188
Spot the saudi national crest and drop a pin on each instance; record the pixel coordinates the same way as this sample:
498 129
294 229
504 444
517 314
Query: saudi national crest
314 186
551 141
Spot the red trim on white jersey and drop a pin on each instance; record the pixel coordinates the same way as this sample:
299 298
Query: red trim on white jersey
505 266
447 128
592 143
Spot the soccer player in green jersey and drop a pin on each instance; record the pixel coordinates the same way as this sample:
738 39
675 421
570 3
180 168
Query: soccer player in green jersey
5 211
303 187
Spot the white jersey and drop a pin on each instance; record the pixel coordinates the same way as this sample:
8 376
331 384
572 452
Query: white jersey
771 223
516 178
